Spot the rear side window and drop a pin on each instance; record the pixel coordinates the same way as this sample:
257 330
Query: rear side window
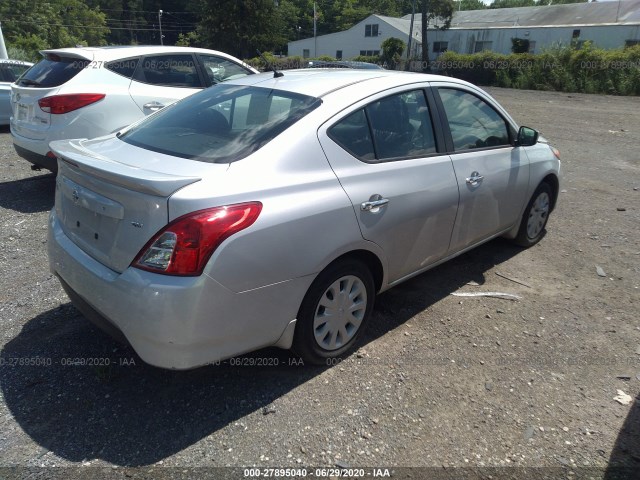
399 125
124 67
53 71
352 133
169 71
221 124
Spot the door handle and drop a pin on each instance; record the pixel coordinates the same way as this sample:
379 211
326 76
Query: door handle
474 179
374 203
153 106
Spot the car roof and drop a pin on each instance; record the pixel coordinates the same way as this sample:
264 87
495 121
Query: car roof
318 82
126 51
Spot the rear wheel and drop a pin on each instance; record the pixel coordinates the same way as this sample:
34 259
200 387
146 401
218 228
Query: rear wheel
535 217
334 312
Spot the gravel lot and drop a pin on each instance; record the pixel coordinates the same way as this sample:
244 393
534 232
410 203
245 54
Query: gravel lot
440 381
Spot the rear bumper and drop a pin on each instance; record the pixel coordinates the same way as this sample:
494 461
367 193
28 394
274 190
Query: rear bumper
173 322
41 161
33 150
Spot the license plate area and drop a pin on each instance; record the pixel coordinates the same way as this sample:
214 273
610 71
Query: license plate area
91 219
22 112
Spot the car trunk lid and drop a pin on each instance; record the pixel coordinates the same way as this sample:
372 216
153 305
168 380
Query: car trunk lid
112 197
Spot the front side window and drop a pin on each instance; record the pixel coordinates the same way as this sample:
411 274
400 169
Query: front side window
395 127
221 124
219 69
169 71
472 121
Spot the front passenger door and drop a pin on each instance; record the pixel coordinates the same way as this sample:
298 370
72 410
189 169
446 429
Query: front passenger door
492 174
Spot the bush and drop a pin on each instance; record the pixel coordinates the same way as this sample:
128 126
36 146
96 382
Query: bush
566 69
370 59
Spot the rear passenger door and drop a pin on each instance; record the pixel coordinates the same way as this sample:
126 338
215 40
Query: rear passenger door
160 80
386 154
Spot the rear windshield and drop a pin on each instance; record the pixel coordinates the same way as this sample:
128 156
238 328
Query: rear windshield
52 71
221 124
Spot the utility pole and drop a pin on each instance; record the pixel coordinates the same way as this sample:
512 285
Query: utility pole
425 45
160 23
315 31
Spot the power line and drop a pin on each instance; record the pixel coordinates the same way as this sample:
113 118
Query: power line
89 26
133 22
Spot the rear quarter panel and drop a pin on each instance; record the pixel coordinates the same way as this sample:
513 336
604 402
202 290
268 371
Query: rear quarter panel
306 222
115 111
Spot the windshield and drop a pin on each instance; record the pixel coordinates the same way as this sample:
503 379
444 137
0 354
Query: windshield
221 124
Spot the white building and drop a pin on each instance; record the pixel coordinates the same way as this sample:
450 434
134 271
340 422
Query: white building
607 24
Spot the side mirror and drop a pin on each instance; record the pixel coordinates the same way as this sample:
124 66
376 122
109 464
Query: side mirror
527 137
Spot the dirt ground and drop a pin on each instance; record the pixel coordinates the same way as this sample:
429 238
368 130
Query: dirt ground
505 389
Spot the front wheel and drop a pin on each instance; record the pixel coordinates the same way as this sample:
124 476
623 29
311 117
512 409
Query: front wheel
535 217
334 312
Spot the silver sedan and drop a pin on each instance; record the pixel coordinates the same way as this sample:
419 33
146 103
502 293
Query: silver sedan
270 210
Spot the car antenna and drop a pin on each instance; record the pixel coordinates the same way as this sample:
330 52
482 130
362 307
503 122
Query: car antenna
276 73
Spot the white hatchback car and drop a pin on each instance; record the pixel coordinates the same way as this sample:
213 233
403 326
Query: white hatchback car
94 91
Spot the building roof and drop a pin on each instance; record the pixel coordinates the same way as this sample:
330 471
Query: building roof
623 12
626 12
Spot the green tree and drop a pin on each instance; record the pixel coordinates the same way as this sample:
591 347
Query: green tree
392 49
520 45
33 26
470 5
512 3
431 9
239 27
559 2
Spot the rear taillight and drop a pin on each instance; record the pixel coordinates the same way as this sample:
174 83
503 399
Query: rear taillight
58 104
185 245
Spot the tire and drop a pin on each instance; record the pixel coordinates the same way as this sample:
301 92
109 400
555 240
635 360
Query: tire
320 335
535 216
